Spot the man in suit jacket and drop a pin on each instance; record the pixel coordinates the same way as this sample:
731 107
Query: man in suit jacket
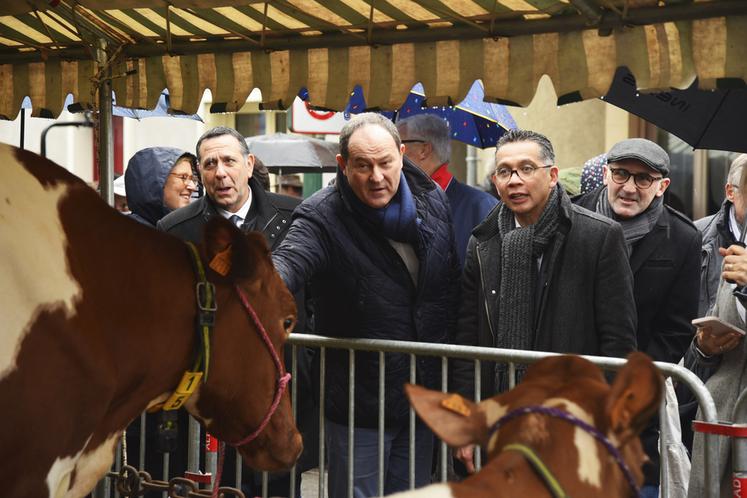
664 253
226 166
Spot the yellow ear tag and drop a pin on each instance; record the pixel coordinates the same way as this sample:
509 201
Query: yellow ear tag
221 262
456 404
188 384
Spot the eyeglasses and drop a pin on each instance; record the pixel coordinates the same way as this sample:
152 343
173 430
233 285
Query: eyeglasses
414 141
641 180
186 178
524 172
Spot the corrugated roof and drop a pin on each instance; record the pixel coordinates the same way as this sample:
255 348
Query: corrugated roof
386 46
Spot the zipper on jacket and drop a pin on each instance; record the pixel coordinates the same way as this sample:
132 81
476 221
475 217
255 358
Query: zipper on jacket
485 293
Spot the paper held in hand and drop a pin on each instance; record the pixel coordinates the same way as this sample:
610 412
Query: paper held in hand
716 325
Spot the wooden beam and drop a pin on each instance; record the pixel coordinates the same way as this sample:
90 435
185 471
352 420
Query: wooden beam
505 28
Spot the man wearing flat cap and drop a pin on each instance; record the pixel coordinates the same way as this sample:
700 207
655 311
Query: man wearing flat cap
664 254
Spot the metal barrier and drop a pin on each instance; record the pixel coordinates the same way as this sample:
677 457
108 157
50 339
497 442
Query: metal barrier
445 352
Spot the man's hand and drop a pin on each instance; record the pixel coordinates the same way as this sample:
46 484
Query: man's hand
711 344
466 454
735 264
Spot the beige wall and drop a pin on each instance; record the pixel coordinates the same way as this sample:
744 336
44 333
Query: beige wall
578 131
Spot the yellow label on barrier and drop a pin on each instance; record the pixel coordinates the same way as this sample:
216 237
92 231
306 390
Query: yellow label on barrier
456 404
188 384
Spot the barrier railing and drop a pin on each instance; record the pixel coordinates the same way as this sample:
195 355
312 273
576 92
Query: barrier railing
445 352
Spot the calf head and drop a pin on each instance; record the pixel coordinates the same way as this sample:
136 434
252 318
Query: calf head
243 376
582 465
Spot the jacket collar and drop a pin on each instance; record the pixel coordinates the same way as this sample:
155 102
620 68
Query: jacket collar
489 227
260 204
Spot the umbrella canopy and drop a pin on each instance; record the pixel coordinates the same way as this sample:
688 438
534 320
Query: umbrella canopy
705 119
160 110
472 121
284 153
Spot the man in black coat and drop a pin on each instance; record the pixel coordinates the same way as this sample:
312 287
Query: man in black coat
226 166
541 274
664 252
379 251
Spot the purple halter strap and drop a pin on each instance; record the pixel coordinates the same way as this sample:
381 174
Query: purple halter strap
590 429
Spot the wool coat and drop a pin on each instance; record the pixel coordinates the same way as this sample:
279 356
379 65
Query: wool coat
666 272
584 300
725 385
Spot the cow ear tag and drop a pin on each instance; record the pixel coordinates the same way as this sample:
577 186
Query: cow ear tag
456 404
221 262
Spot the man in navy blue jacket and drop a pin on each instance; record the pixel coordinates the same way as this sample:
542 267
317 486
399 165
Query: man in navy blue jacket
427 144
378 250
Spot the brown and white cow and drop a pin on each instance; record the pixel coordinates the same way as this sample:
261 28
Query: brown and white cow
97 322
582 466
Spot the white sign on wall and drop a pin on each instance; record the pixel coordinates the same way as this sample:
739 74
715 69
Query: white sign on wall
306 120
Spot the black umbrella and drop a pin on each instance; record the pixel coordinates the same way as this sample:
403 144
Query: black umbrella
705 119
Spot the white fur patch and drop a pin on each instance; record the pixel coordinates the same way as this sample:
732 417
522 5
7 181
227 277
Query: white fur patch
589 463
92 466
33 270
493 411
58 477
432 491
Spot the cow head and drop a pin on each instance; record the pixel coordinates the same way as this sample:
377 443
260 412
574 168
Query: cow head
582 465
243 377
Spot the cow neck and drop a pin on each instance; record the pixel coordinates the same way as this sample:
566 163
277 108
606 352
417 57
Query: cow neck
537 463
206 307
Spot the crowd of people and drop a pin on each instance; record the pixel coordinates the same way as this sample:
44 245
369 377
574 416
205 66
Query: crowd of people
397 248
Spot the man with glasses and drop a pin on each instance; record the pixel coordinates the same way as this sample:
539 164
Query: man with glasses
722 229
663 248
541 274
428 145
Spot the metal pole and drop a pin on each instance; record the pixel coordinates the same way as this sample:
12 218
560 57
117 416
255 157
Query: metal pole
105 138
471 160
23 128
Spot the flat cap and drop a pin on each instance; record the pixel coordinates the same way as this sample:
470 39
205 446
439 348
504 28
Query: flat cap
642 150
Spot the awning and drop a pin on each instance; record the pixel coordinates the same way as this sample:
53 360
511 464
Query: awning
385 46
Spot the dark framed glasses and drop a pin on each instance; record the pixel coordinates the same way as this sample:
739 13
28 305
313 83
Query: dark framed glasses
641 180
526 171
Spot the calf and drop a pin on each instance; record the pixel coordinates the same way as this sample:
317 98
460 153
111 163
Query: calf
543 437
99 319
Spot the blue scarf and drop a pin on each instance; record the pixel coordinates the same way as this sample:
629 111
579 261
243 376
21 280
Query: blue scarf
397 220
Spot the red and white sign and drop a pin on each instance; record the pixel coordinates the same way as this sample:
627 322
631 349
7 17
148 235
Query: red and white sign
306 120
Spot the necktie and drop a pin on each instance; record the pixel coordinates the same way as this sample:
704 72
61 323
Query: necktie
236 220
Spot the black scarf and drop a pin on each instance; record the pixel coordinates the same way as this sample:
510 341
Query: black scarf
521 246
637 227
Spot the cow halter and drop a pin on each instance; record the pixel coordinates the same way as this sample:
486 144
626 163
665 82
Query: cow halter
548 478
206 304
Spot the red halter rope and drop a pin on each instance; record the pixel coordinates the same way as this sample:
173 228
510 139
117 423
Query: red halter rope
282 383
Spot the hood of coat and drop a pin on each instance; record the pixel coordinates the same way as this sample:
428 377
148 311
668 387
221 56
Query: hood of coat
145 177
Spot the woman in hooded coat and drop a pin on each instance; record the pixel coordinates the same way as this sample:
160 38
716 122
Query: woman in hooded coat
159 180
